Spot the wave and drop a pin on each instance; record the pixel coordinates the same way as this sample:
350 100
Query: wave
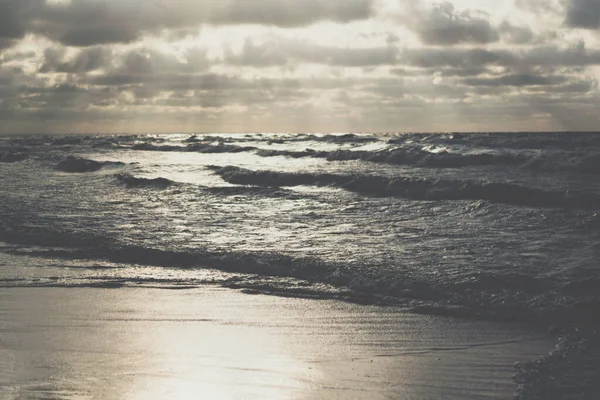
73 164
592 222
402 156
423 159
510 296
19 233
416 189
485 296
342 138
12 157
517 141
131 181
569 372
194 147
409 155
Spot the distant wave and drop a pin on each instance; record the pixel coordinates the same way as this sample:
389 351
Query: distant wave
81 165
538 141
194 147
416 189
131 181
409 156
11 157
343 138
444 159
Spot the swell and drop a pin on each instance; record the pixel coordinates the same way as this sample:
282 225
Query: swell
409 156
416 189
131 181
524 140
514 297
558 162
195 147
10 156
73 164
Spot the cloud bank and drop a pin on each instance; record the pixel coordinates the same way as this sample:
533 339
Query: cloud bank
298 65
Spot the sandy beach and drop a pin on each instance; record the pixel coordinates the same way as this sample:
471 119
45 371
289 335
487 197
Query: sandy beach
212 343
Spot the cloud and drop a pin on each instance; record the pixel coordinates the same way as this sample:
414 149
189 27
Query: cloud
277 52
583 14
453 57
516 80
287 13
442 25
139 61
540 7
94 22
551 56
515 34
442 71
576 85
90 59
15 15
268 64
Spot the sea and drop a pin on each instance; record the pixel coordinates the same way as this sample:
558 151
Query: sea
499 226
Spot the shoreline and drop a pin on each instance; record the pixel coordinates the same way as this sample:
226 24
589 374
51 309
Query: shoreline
139 343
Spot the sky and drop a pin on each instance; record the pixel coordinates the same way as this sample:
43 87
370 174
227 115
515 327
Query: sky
145 66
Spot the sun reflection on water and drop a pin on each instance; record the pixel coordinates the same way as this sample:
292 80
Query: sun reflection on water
212 356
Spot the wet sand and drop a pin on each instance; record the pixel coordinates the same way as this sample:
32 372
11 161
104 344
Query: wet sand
212 343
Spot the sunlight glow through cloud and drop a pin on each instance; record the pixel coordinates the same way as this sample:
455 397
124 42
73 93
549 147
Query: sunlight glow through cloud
76 66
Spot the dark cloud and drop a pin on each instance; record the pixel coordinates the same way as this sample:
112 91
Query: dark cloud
454 57
575 86
443 25
15 16
154 84
128 65
289 13
90 59
583 14
516 80
6 43
515 34
281 52
455 79
515 60
85 23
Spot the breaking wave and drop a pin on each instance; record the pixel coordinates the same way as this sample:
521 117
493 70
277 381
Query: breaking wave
131 181
74 220
416 189
445 159
484 295
408 156
195 147
11 157
81 165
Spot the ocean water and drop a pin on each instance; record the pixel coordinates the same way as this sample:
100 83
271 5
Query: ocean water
491 226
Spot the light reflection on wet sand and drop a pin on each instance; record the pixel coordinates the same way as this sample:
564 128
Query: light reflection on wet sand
219 344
